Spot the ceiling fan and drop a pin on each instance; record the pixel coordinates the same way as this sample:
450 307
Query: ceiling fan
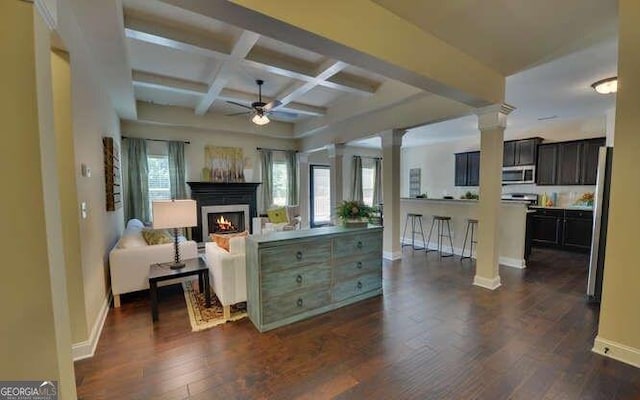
260 109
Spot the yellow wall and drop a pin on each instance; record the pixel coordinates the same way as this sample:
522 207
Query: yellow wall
620 312
387 37
61 79
28 344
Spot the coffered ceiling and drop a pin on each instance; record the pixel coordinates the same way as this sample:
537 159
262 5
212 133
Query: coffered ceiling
188 60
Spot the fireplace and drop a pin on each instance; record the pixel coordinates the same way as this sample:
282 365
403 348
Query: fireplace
234 195
224 219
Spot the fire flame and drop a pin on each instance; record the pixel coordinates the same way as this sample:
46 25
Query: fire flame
224 224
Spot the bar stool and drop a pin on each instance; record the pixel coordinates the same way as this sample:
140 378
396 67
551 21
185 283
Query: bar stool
440 221
416 220
471 223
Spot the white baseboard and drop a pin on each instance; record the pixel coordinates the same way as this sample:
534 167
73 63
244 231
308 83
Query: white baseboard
491 284
512 262
389 255
87 349
617 351
506 261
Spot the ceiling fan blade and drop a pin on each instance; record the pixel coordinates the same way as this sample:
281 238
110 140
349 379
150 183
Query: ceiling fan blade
274 103
283 114
239 104
238 113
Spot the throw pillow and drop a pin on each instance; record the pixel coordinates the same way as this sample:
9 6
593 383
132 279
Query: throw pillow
277 215
156 236
222 240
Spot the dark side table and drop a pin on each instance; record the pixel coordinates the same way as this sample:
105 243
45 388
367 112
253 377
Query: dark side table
162 272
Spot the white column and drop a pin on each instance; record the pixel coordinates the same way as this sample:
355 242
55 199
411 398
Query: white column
336 160
303 188
492 121
391 143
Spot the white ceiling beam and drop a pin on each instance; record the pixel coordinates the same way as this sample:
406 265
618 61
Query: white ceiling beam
298 89
220 76
234 95
165 82
260 59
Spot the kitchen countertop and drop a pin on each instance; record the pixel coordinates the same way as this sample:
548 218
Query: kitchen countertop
462 201
583 208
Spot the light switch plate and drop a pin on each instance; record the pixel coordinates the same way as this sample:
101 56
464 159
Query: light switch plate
86 171
83 210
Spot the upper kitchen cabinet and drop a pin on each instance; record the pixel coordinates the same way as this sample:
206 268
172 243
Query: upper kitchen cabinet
467 172
547 164
520 152
568 163
590 149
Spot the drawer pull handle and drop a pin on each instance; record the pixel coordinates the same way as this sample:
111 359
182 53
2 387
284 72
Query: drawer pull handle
359 265
359 245
359 285
299 302
299 255
299 278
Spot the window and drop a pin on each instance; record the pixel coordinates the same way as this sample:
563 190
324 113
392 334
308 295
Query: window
368 179
280 183
320 195
159 183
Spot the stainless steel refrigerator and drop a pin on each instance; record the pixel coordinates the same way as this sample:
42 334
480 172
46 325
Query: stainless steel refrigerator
600 222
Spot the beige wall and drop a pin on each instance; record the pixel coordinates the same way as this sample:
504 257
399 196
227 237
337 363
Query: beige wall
61 79
437 160
619 328
31 342
199 138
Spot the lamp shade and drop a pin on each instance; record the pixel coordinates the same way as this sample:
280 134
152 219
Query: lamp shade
174 214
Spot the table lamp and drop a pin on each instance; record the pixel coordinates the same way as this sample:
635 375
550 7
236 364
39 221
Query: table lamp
174 214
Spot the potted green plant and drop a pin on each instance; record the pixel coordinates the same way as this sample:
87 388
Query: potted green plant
354 213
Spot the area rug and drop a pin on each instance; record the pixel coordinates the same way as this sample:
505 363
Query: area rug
202 317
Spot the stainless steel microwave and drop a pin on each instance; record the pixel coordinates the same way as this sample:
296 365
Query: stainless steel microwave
518 175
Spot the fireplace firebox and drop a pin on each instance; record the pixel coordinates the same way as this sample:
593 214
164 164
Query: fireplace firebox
226 222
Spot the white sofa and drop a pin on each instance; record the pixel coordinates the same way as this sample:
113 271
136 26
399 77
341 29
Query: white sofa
262 225
131 257
229 272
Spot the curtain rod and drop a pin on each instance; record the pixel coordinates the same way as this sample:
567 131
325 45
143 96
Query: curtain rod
264 148
372 158
158 140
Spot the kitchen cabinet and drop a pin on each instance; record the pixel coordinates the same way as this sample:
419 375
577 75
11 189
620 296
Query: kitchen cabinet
547 164
520 152
562 229
467 169
568 163
569 166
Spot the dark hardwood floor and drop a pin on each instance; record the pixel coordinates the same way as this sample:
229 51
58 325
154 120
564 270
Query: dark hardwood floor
431 336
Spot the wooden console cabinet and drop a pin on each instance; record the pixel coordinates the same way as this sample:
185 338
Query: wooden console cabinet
294 275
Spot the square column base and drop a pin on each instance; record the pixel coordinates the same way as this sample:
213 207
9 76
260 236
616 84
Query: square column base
487 283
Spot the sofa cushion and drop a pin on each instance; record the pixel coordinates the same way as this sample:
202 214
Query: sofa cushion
135 223
156 236
131 237
277 215
222 240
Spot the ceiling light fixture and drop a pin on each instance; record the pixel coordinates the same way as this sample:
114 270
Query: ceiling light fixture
606 86
260 119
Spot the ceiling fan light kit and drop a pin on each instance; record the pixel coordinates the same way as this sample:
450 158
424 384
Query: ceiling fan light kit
606 86
260 119
259 109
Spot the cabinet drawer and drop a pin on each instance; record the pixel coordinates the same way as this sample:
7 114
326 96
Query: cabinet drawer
353 287
295 255
285 306
288 280
353 245
582 214
551 212
357 267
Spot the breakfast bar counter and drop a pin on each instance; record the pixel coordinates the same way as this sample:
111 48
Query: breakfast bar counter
513 219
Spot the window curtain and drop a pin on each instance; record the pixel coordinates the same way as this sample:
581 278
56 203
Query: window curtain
356 180
377 182
266 164
136 202
292 171
176 170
